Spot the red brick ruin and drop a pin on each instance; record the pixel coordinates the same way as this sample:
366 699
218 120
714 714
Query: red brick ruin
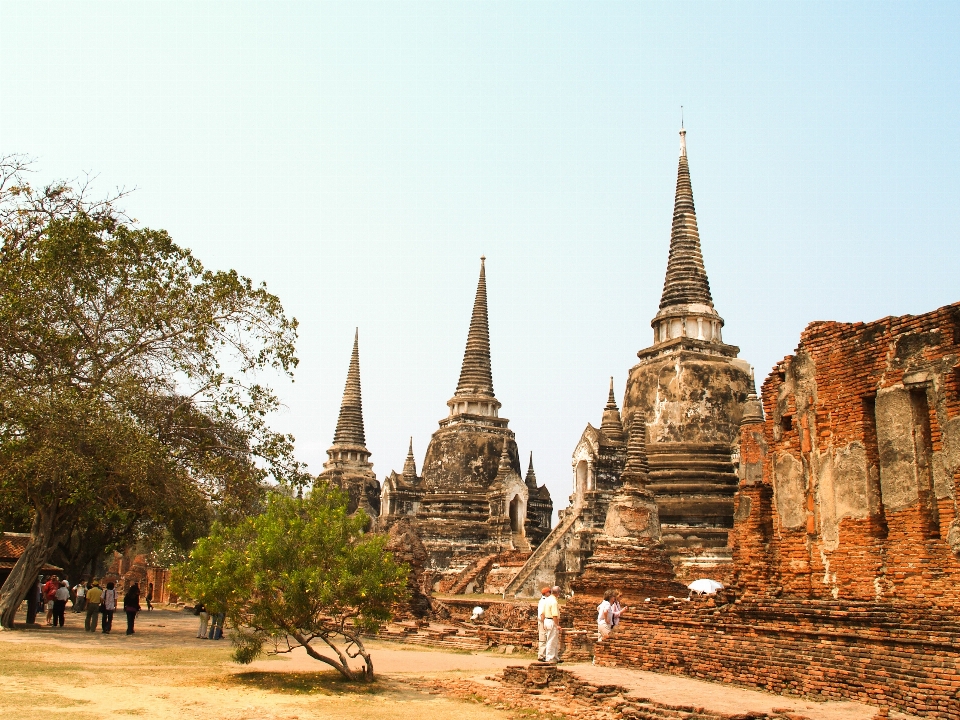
846 536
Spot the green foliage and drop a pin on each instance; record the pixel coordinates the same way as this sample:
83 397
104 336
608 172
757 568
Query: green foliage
303 570
129 377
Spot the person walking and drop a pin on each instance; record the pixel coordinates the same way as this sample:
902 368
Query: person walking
216 626
108 605
49 590
616 608
149 597
541 633
94 595
80 595
551 625
131 606
34 601
201 610
604 617
60 598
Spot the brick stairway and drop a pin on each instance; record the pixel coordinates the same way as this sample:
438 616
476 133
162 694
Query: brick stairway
440 636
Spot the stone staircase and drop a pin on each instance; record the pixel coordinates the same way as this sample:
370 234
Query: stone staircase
470 573
533 562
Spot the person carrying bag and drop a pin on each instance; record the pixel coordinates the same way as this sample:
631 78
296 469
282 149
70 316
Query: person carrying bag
131 606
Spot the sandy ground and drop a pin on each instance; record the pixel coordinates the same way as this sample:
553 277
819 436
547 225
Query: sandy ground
164 671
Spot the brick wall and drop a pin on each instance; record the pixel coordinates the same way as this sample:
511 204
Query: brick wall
846 538
870 652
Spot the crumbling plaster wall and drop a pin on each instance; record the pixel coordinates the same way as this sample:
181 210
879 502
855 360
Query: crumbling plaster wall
863 428
689 396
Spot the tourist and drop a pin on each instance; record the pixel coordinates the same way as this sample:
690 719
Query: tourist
34 600
551 626
201 610
131 606
604 616
49 590
561 637
94 595
108 605
216 626
541 633
149 597
60 598
80 596
616 609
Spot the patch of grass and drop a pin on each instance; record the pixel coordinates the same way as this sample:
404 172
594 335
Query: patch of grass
302 683
535 714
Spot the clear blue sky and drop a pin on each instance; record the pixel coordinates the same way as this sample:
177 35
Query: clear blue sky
360 157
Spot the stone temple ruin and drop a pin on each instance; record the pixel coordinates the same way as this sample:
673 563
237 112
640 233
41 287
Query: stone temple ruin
691 387
473 509
476 514
827 505
348 465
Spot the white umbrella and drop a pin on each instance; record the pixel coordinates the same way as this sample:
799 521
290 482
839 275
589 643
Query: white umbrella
705 586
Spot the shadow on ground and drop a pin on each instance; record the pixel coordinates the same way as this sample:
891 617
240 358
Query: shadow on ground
305 683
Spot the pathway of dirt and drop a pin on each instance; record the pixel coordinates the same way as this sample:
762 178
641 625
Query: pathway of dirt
679 690
165 672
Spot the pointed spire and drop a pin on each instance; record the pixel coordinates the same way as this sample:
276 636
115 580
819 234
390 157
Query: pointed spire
686 280
476 377
350 423
531 479
636 469
410 464
612 425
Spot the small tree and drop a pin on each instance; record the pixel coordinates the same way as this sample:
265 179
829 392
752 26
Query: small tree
301 574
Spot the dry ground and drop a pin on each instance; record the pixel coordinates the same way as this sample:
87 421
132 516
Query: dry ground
164 671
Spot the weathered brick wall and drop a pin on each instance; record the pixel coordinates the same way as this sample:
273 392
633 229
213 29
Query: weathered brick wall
858 511
875 653
846 535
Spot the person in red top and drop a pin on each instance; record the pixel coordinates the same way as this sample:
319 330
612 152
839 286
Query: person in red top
49 590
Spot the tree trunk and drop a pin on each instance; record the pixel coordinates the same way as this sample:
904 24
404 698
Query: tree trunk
361 651
24 574
342 667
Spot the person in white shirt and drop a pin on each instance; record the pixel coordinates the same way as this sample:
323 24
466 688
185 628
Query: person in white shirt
80 595
108 605
616 608
60 598
541 633
604 617
551 627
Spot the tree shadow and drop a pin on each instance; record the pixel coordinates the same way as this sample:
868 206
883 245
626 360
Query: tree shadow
304 683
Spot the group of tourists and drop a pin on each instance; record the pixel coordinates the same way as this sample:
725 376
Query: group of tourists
608 613
215 621
98 603
548 621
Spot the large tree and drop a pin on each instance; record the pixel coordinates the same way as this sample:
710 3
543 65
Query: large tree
129 387
301 574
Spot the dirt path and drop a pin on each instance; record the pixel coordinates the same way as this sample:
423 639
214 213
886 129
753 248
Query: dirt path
165 672
679 690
